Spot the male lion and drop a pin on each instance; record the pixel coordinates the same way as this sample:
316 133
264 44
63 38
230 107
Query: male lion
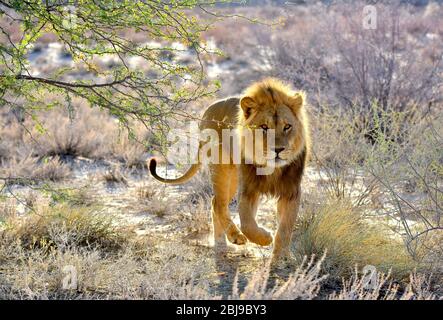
267 104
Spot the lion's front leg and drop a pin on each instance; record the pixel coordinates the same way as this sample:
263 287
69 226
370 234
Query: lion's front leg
287 209
247 210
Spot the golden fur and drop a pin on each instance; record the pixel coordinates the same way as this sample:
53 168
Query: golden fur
268 104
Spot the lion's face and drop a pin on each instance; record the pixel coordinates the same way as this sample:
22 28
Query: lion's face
279 118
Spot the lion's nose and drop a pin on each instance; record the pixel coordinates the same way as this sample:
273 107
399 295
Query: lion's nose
278 150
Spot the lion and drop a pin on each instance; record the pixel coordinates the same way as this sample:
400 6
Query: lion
266 104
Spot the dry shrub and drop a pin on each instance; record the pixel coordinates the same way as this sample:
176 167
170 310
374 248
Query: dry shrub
11 140
303 283
74 130
130 152
145 192
74 197
114 174
410 176
349 239
63 227
152 200
200 188
29 170
86 133
358 287
168 271
8 209
159 203
42 277
306 283
397 176
340 165
195 218
326 51
160 208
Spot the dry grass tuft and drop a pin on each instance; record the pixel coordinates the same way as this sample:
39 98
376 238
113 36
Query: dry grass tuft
349 239
200 188
128 151
145 192
156 202
196 219
64 227
303 283
74 197
85 133
382 288
114 175
8 209
30 170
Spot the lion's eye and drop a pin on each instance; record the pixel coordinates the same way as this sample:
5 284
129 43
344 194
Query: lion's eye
264 127
287 127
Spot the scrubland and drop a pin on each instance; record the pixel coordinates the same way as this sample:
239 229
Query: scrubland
75 190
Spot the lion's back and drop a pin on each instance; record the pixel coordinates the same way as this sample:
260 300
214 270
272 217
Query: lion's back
221 114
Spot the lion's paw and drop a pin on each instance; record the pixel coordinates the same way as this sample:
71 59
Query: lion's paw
237 238
259 236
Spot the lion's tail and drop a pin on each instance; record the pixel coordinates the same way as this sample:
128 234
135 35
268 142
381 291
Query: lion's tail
188 175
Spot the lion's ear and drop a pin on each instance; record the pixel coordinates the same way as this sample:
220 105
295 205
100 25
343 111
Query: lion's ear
297 100
247 104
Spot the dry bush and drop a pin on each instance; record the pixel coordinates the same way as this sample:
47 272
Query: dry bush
141 270
303 283
411 176
359 287
145 192
82 196
64 227
160 208
195 218
8 209
73 130
29 170
99 276
86 133
113 175
130 152
200 188
397 176
156 201
349 239
306 282
35 249
11 140
326 51
340 165
31 154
